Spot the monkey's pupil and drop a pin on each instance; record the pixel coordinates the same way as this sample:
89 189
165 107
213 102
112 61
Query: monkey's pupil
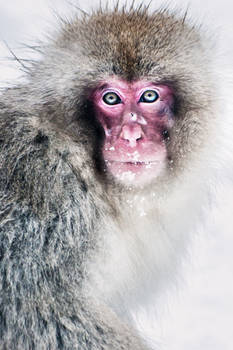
111 98
149 96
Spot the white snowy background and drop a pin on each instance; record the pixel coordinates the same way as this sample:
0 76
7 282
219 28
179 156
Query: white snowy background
200 317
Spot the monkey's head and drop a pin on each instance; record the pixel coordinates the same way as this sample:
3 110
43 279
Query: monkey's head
141 83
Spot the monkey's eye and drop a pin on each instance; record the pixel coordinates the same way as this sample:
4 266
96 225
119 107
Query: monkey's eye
111 98
149 96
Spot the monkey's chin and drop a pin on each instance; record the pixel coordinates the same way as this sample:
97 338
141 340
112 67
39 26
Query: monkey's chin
137 174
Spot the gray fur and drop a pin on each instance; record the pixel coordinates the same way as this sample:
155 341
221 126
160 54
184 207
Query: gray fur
55 196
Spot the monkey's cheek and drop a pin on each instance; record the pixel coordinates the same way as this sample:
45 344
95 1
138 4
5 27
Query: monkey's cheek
136 173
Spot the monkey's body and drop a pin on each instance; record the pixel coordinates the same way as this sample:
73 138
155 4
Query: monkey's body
44 248
62 237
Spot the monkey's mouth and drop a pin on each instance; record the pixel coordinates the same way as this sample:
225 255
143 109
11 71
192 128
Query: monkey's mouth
134 172
133 163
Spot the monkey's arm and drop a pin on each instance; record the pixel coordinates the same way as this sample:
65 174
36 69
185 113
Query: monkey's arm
47 230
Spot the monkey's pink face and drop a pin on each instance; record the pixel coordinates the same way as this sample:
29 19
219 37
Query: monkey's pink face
135 117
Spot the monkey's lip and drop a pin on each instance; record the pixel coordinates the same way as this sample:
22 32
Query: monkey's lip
134 172
132 165
133 162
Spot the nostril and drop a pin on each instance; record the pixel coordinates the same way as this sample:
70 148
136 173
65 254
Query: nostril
131 132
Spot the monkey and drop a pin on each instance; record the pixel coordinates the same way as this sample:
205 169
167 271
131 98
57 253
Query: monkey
103 169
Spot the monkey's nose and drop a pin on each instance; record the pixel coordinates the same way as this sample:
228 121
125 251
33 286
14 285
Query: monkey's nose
131 133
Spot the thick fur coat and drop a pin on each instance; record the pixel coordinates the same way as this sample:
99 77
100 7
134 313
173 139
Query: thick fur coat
78 251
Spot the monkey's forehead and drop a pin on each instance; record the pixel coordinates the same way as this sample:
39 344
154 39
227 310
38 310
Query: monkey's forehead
134 43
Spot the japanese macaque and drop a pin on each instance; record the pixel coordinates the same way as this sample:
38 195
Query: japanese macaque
103 168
